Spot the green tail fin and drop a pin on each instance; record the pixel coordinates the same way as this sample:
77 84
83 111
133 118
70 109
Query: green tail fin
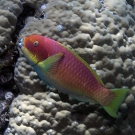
120 95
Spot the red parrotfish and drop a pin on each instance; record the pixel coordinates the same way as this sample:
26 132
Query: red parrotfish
62 68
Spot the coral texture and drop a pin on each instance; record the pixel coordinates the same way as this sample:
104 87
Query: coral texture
9 11
45 113
28 77
102 33
6 98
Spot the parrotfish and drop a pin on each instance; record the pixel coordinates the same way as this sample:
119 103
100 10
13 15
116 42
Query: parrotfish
62 68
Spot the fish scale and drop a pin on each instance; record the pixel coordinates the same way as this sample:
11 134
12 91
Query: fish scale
76 71
62 68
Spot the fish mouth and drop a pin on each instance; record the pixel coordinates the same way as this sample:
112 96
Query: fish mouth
20 44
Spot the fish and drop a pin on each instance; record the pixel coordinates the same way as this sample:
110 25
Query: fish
65 70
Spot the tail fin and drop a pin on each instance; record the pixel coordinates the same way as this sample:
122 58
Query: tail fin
120 95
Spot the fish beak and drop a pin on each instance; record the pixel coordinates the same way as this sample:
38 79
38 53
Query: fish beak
20 44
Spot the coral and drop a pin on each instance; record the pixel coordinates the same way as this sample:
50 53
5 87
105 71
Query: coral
28 80
42 113
6 98
97 34
102 33
9 11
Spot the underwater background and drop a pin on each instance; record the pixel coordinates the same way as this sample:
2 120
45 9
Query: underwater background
102 32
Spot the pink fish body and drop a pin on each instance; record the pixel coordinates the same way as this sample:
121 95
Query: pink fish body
62 68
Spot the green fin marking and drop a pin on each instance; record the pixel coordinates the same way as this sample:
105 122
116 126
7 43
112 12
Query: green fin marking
120 95
51 63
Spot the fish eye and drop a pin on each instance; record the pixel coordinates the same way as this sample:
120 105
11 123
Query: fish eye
36 43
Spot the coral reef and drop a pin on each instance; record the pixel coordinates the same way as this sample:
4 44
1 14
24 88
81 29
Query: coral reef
45 113
9 11
6 98
30 78
102 33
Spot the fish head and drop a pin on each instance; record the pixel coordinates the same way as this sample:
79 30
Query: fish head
34 48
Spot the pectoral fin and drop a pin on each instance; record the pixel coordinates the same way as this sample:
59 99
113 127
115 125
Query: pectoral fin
50 65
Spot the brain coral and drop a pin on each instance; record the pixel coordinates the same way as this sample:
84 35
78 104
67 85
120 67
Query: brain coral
102 33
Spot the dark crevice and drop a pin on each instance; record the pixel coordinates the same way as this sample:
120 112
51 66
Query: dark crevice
27 11
7 64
